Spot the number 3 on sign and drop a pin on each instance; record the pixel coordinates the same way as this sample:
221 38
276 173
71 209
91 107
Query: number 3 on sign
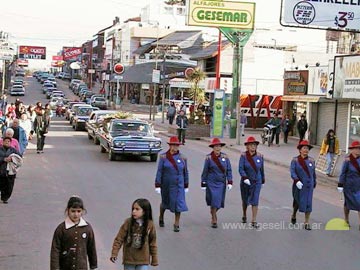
343 17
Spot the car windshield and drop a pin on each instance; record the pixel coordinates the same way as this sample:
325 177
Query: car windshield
100 100
131 127
84 111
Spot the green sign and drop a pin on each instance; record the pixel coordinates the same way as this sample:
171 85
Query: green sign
218 113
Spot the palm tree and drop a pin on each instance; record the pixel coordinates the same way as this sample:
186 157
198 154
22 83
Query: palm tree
196 93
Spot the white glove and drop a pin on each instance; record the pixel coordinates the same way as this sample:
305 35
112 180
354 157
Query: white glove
203 188
158 190
340 189
229 187
299 185
247 181
186 190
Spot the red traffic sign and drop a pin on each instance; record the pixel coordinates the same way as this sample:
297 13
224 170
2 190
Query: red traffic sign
188 72
119 68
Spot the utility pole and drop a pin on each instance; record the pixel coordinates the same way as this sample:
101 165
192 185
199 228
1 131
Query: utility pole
163 89
90 65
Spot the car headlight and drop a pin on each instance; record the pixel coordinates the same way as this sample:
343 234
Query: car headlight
151 144
119 144
157 144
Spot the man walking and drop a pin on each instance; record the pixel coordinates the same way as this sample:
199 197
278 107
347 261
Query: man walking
182 123
302 127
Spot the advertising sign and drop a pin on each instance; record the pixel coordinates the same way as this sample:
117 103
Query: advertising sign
318 80
347 77
326 14
70 53
32 52
156 76
57 58
221 13
295 82
218 113
22 62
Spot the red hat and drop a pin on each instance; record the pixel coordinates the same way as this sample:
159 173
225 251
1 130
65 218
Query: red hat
304 143
174 141
354 144
216 141
251 139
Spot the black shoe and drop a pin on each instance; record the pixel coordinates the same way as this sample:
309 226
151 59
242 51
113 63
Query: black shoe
176 228
214 225
38 151
293 220
5 202
244 220
254 225
161 223
307 227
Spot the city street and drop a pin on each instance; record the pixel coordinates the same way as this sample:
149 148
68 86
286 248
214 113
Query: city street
72 164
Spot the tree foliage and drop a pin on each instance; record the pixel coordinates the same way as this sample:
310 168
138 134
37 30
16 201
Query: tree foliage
176 2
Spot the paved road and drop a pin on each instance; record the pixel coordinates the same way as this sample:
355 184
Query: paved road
72 164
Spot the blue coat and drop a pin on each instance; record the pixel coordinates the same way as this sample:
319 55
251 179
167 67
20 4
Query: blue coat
250 194
350 180
172 182
215 180
23 140
303 196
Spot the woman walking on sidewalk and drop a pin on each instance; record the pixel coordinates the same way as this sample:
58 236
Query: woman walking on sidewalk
41 125
216 178
251 169
349 181
303 174
172 182
330 148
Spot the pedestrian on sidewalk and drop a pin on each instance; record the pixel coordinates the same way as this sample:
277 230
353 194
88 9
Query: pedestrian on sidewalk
171 112
349 181
251 169
41 125
286 127
172 182
330 148
182 123
9 132
216 178
302 127
137 237
20 135
73 242
276 122
208 115
303 174
7 180
243 123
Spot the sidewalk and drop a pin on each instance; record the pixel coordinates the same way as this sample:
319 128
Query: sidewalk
279 156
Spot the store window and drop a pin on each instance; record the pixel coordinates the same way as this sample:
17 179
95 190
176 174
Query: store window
354 122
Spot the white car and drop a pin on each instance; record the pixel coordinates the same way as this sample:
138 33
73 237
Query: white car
17 90
55 101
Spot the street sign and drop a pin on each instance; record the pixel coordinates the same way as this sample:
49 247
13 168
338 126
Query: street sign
218 113
156 76
238 15
119 68
329 15
92 71
118 77
6 57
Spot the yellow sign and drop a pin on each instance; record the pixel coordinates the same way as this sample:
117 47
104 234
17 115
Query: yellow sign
219 13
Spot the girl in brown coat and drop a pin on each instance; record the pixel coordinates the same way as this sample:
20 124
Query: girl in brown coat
138 236
74 241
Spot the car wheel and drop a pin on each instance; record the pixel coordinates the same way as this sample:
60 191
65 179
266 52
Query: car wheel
153 157
102 149
96 140
112 156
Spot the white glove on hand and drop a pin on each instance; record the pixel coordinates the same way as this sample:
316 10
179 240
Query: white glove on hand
158 190
203 188
229 187
247 181
340 189
299 185
186 190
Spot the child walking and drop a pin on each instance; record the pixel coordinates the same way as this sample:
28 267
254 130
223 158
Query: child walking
138 237
74 241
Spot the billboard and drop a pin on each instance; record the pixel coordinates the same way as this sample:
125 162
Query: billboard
318 80
295 82
57 58
347 77
219 13
71 53
32 52
327 14
22 62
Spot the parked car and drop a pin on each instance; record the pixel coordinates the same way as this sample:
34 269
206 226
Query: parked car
99 102
69 108
55 101
82 114
46 86
17 90
93 124
121 137
74 110
79 87
66 76
51 80
73 82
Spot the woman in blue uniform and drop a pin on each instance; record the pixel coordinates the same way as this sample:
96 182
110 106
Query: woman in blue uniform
251 169
172 182
302 171
216 178
349 181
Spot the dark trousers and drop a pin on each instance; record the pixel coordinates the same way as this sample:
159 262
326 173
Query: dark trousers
276 135
171 119
6 186
40 141
302 135
181 134
286 135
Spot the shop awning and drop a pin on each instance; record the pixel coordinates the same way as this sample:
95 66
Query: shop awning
304 98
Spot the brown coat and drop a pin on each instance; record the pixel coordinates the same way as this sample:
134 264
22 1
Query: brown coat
136 256
72 247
